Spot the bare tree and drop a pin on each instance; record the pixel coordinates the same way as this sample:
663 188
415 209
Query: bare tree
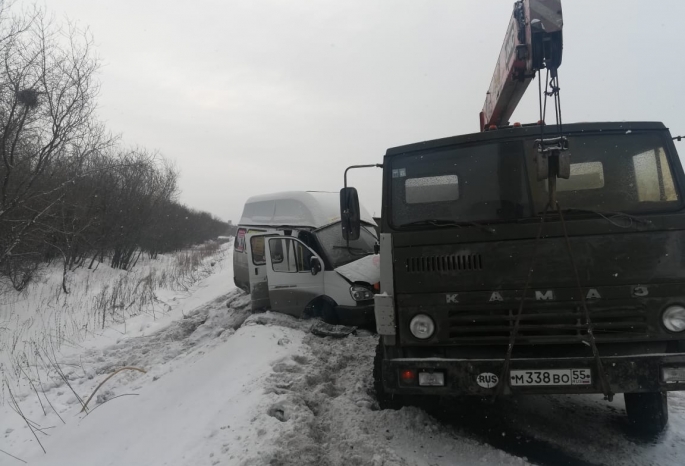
47 100
68 191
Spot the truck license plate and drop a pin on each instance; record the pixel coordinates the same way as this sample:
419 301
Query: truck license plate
551 377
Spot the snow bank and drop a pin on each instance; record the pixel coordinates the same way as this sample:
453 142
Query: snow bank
207 410
104 304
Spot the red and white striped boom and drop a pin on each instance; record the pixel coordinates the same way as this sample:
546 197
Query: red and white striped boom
533 41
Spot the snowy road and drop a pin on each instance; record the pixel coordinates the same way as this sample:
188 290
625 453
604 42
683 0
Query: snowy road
336 422
225 387
272 393
266 393
565 429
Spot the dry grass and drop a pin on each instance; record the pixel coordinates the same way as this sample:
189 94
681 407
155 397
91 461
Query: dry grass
35 325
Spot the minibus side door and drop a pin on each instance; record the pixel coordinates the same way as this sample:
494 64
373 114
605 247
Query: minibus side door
259 288
294 275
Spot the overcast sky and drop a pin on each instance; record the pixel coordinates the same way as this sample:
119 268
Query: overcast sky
251 97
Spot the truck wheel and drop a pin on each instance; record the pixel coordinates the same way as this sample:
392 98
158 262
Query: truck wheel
647 412
385 400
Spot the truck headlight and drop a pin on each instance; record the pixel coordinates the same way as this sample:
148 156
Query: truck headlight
674 318
360 293
422 326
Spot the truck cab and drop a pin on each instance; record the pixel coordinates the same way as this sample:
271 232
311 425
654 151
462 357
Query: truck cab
478 298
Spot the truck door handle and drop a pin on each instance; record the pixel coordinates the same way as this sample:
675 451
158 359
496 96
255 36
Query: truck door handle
256 271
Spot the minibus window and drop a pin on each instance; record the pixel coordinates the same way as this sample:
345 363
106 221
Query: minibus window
257 245
282 255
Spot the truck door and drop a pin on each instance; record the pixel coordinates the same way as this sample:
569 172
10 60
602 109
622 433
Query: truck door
290 280
259 290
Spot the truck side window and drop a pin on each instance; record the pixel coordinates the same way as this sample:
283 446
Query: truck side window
653 177
257 245
283 257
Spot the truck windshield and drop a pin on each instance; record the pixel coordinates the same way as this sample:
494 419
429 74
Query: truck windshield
495 182
336 248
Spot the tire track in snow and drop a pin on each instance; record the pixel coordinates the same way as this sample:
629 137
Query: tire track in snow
490 424
329 415
309 388
193 334
325 402
202 325
568 429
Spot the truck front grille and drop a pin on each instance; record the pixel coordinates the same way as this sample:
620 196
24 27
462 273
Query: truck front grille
545 325
444 263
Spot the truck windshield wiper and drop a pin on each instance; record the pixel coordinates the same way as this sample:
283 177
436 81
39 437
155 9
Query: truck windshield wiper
612 217
449 223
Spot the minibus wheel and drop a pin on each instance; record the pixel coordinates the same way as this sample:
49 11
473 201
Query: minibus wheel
329 315
324 308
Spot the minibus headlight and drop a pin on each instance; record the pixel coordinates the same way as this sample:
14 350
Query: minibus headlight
674 318
360 293
422 326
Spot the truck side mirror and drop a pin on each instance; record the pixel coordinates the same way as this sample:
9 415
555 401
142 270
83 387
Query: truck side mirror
314 265
349 214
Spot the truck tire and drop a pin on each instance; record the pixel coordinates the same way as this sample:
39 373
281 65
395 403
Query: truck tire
647 412
385 400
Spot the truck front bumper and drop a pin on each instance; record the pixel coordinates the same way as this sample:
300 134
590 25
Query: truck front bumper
625 374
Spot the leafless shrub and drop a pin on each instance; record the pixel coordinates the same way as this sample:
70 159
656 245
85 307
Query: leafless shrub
68 190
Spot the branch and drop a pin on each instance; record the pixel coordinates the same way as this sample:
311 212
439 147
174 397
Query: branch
8 454
23 417
109 377
113 398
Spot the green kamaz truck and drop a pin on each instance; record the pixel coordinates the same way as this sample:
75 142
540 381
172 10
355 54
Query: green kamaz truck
532 259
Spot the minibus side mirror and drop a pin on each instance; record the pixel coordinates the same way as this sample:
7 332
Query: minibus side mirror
349 214
315 265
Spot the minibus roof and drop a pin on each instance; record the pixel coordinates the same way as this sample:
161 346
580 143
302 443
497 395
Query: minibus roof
311 209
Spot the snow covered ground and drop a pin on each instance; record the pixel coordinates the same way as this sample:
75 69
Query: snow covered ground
226 387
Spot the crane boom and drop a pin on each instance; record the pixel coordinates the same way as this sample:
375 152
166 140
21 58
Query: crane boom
533 41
